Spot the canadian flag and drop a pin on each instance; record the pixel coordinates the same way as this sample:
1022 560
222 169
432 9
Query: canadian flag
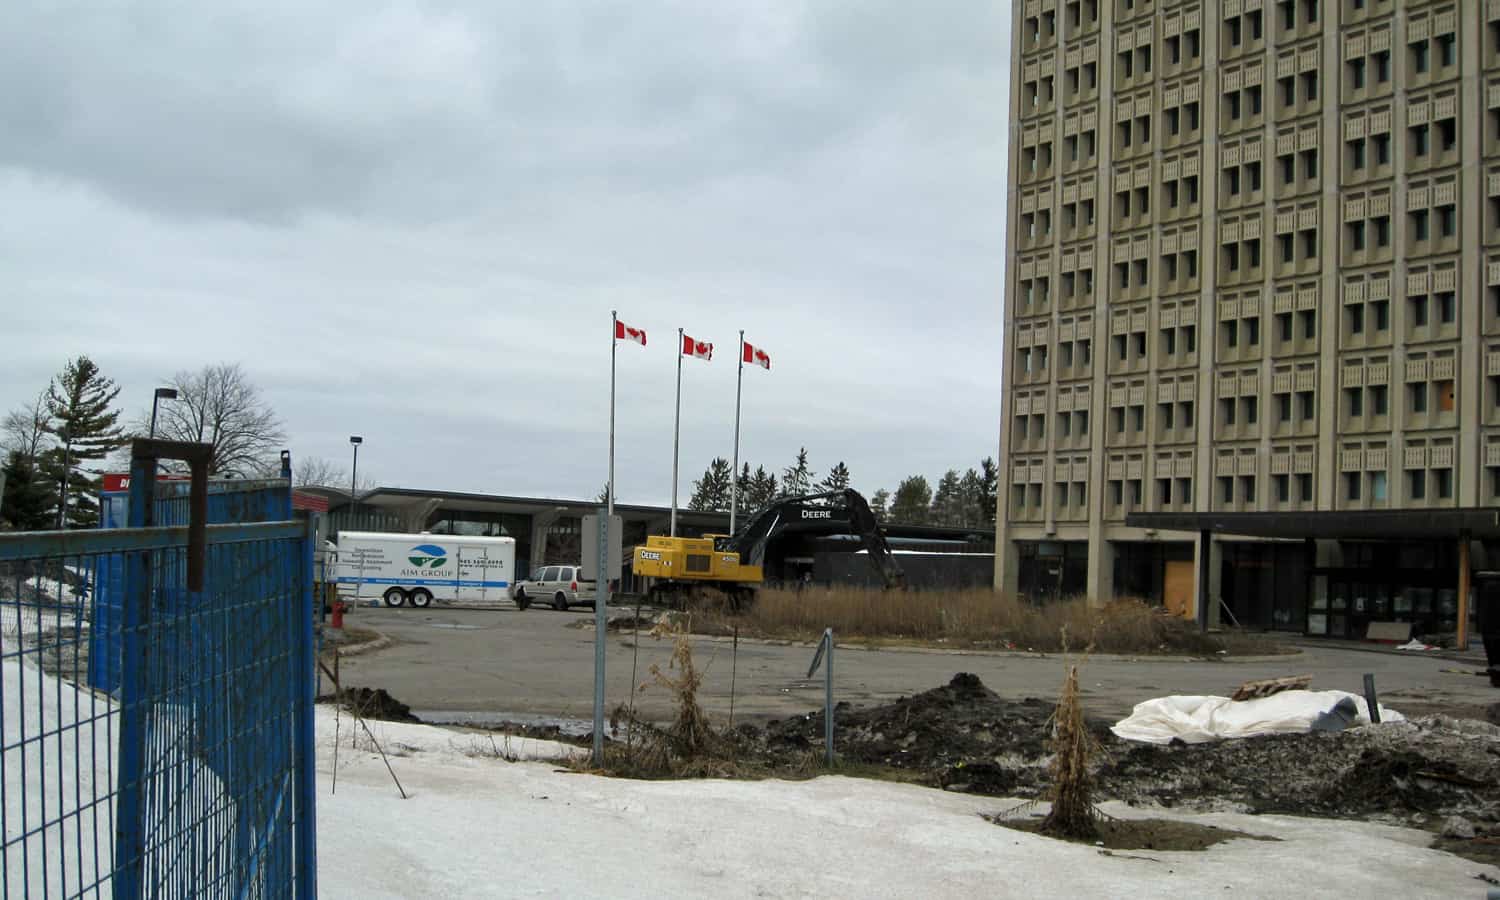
699 349
624 332
756 356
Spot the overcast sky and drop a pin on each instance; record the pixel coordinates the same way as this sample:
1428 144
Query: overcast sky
411 220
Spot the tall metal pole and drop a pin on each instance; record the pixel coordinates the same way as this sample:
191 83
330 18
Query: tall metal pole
603 576
354 483
601 601
676 434
614 319
734 474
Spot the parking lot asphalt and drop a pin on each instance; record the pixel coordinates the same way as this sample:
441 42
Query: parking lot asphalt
450 664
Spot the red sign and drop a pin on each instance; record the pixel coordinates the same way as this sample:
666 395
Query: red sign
120 481
309 502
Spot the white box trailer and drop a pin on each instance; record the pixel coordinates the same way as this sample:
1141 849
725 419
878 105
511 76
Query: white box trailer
420 568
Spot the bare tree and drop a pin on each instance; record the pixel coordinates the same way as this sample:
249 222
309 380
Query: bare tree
24 430
219 405
315 471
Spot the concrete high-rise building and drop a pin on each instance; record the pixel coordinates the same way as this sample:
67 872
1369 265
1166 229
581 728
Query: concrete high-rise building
1253 265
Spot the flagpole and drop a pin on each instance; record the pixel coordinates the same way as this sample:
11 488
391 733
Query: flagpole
734 473
614 343
676 434
603 576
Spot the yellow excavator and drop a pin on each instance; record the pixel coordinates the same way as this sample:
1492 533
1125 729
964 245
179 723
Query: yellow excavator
686 570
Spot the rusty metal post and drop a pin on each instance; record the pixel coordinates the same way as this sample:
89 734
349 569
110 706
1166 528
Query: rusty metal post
197 559
1372 702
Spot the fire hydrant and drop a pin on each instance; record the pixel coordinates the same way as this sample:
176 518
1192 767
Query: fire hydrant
338 614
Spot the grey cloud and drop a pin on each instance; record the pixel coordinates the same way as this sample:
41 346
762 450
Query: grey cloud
384 210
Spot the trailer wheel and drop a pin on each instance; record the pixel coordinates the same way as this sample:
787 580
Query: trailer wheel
421 598
395 597
560 602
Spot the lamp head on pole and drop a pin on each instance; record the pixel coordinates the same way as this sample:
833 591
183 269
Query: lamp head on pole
166 393
356 439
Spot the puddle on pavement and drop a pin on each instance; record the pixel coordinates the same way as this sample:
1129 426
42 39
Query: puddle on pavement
565 725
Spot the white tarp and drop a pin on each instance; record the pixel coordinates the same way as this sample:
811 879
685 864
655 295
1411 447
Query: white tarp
1196 720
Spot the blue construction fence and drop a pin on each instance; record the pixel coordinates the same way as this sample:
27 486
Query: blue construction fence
158 726
230 501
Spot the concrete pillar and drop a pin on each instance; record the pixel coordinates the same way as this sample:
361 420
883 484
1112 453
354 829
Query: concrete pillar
1203 554
1007 565
1101 577
1215 575
540 522
1463 590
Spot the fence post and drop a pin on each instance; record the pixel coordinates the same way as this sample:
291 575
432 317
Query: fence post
828 699
135 618
304 795
825 648
1371 701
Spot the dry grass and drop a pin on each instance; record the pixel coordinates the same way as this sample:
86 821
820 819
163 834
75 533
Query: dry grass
979 619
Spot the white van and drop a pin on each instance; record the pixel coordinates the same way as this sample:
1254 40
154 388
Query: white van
420 568
558 586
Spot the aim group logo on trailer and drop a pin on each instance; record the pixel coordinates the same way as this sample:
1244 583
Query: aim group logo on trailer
428 556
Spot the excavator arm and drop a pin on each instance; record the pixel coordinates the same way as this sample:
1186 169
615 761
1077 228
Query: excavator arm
752 539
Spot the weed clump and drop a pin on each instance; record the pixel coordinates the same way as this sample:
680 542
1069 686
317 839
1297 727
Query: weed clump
1073 814
689 735
688 747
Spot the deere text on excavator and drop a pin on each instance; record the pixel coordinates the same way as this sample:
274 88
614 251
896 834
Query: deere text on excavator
685 570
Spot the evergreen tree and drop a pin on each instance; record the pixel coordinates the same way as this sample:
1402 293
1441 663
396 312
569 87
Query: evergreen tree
744 487
989 476
78 402
913 498
26 503
948 502
971 488
837 480
711 492
762 490
878 502
797 479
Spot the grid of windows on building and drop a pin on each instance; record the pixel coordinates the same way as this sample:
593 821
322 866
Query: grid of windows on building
1275 325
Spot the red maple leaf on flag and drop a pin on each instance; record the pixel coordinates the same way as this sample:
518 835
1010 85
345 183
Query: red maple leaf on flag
624 332
699 349
756 356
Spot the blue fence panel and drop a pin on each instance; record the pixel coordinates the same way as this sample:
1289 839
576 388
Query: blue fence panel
230 501
196 778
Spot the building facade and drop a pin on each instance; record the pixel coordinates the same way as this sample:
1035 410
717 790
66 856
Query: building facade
1253 264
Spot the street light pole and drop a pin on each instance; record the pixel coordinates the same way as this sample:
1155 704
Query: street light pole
162 393
355 440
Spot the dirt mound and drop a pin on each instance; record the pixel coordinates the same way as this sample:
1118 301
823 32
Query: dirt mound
964 737
1415 772
961 736
377 704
